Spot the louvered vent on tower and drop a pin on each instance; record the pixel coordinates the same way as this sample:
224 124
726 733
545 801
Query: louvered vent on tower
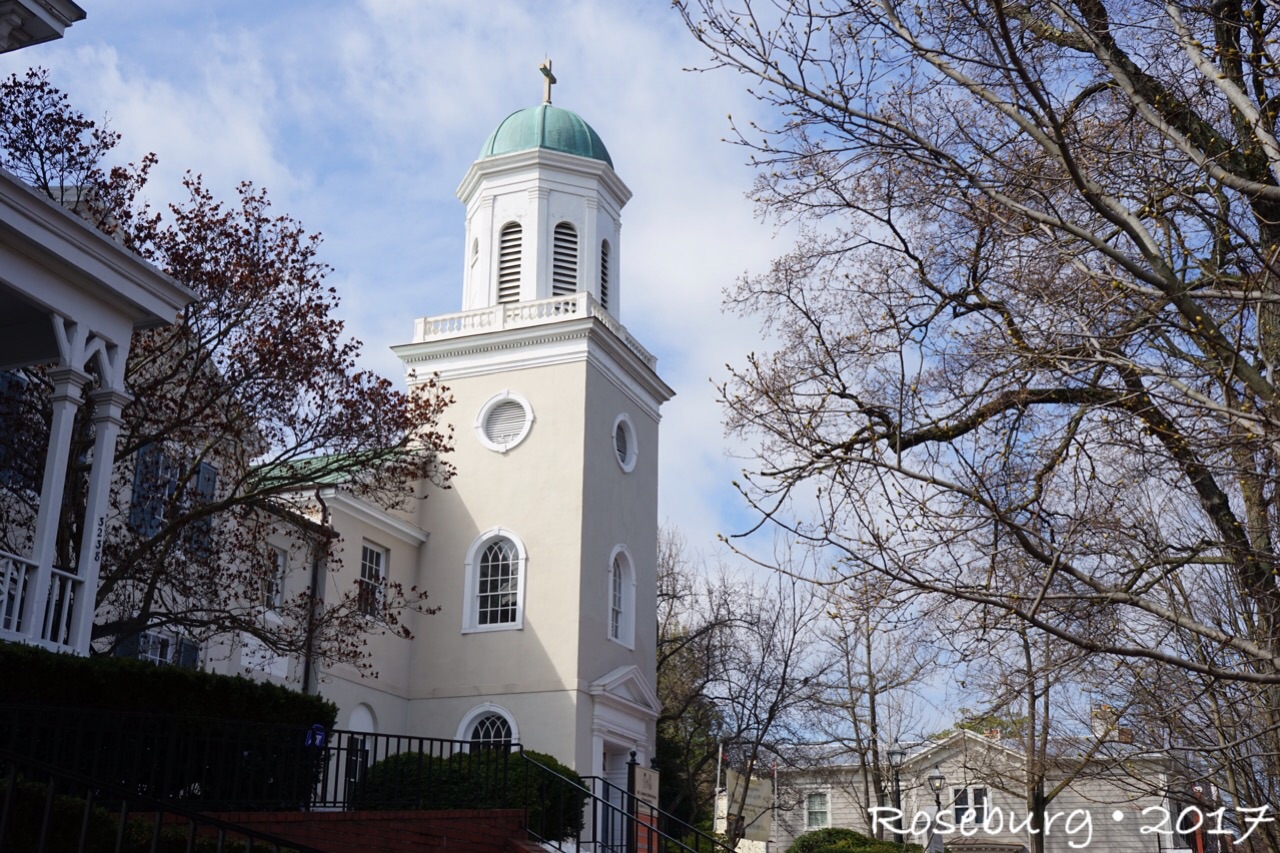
564 260
509 263
604 274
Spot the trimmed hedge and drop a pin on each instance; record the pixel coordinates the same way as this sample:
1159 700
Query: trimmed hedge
839 840
488 778
171 733
33 676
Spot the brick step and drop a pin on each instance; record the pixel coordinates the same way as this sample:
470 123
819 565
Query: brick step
457 830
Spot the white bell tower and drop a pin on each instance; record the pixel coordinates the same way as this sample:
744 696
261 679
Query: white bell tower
543 552
543 212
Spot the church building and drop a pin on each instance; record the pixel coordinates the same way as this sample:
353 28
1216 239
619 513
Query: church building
541 555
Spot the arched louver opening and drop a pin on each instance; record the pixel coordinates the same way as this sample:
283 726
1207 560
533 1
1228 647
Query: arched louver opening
509 263
564 260
604 274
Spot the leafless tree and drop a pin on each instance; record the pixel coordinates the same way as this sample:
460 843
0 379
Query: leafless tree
1028 341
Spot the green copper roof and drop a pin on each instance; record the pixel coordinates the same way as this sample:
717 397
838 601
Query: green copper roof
545 126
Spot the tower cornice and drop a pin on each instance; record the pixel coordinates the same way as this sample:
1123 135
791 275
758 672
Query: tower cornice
537 158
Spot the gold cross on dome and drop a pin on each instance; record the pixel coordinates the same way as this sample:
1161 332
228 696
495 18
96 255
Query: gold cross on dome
549 78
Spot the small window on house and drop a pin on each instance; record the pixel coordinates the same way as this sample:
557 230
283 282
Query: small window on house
624 442
509 245
817 815
373 575
273 581
564 260
475 251
504 421
970 806
604 274
161 648
490 731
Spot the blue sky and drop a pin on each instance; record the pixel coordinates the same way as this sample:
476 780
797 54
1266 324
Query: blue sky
361 118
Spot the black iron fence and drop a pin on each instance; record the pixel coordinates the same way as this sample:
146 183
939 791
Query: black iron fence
211 765
46 809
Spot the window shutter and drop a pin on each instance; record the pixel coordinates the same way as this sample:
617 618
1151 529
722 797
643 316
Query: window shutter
146 505
509 263
188 654
127 648
206 487
564 260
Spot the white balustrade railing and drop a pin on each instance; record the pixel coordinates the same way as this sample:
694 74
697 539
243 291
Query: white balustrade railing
15 576
60 609
516 315
17 597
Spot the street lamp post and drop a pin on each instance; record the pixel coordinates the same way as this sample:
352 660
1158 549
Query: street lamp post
936 782
897 755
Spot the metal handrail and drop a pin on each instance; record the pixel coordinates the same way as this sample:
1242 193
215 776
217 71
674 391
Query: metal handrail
621 822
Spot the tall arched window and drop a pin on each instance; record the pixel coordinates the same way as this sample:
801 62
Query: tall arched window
622 595
604 274
509 244
495 583
564 260
499 588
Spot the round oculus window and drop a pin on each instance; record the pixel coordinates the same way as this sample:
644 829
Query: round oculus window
504 421
624 443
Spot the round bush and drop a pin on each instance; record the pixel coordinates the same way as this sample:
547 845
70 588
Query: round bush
551 793
840 840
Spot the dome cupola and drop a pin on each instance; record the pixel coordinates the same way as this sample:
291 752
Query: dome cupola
543 212
545 126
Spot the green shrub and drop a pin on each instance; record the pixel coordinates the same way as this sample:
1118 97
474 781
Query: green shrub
166 732
486 779
840 840
33 676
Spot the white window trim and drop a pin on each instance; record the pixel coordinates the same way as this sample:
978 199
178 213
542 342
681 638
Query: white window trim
469 719
627 634
384 571
968 790
483 415
276 577
633 446
470 618
826 792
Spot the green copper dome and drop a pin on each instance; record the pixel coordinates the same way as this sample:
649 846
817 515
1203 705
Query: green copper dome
545 126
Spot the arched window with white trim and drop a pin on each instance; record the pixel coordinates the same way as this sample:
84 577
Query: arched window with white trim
622 597
564 260
488 726
509 259
495 583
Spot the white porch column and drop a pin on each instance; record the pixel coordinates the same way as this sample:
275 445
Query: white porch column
108 405
68 383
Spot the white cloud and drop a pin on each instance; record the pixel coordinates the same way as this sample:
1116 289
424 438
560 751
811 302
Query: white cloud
362 119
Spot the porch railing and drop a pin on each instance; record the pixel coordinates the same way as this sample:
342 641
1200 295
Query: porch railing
17 599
